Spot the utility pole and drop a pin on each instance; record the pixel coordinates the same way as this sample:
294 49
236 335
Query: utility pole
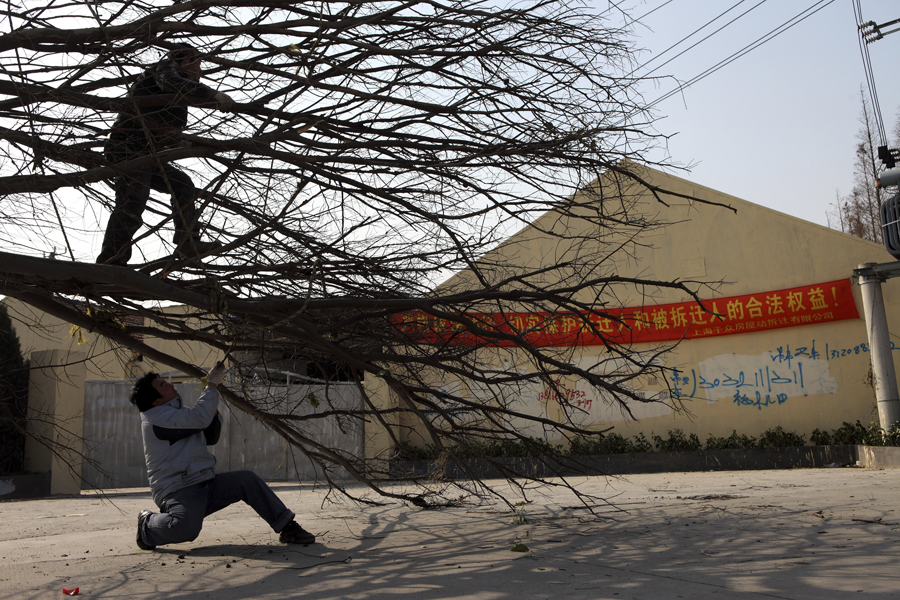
869 32
871 275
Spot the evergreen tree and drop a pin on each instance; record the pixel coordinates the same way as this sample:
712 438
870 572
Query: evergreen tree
13 397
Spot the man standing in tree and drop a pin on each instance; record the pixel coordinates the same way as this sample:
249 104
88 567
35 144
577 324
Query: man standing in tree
152 128
183 480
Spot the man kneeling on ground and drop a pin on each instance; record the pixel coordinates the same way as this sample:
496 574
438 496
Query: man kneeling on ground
183 480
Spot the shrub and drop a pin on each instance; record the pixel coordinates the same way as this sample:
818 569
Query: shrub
732 442
474 448
406 451
850 433
614 443
611 443
820 438
511 447
677 442
776 437
642 444
892 435
582 446
857 433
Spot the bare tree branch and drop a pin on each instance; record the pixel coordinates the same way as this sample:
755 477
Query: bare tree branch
374 150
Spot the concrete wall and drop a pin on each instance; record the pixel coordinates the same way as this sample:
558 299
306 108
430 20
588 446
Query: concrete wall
114 451
68 357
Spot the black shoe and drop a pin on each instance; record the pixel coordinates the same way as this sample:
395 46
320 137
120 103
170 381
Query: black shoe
193 248
118 262
142 518
294 534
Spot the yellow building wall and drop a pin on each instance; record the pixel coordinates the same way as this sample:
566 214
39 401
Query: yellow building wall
754 250
103 360
725 253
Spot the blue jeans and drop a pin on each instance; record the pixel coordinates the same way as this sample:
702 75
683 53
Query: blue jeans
183 511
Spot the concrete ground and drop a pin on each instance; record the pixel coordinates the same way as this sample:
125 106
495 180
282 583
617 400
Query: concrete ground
823 533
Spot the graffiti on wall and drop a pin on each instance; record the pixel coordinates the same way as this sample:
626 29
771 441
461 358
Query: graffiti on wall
754 382
582 404
768 379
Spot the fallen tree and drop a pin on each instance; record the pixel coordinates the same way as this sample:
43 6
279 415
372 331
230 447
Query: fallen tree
376 148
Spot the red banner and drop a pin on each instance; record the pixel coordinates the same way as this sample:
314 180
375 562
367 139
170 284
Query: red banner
805 305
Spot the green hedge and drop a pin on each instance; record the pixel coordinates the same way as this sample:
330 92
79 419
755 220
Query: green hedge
677 440
850 433
610 443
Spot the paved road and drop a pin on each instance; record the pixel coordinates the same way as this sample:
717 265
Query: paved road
826 533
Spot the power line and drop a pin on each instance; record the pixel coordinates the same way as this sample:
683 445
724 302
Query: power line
870 75
690 35
629 18
800 17
656 9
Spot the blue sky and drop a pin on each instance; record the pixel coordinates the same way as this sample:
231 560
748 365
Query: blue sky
776 127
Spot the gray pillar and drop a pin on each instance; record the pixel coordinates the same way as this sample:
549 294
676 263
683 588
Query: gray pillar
880 349
56 418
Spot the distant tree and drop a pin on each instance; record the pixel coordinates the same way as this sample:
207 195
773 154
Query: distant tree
13 398
857 213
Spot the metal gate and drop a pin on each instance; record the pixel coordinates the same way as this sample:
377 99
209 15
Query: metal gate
114 452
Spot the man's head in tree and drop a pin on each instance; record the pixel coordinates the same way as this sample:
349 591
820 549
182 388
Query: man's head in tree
187 58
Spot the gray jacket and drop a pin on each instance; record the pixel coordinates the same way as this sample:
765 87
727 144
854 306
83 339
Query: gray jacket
175 440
